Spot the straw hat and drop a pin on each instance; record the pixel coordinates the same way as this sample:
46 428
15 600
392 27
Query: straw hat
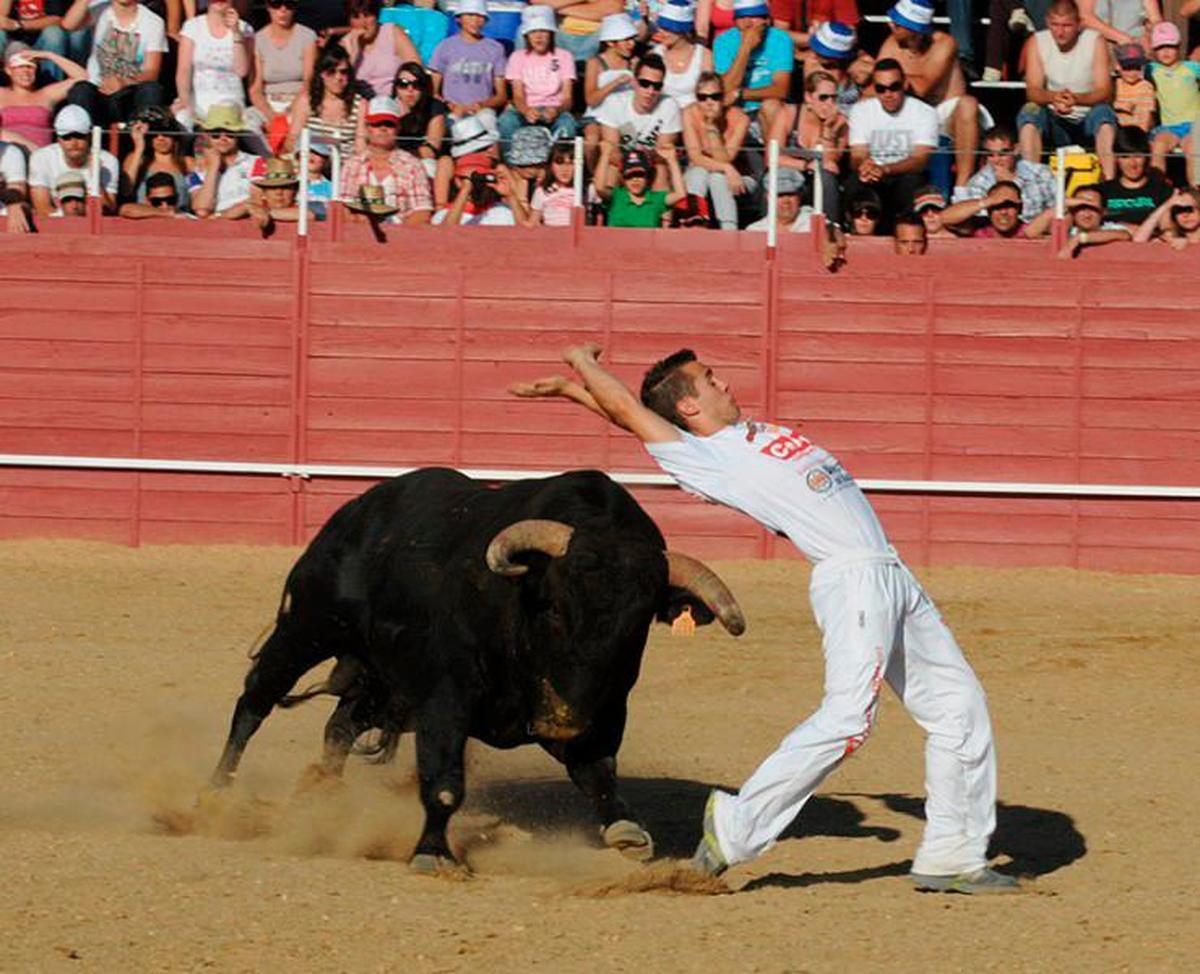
371 201
277 174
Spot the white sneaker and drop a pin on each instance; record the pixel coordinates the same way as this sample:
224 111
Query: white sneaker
991 74
1020 19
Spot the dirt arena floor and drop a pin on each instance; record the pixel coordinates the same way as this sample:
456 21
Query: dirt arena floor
119 668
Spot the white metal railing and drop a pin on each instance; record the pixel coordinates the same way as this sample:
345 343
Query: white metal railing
818 185
93 188
772 190
1060 184
305 148
306 470
578 182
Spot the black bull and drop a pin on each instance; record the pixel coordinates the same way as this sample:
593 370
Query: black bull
513 615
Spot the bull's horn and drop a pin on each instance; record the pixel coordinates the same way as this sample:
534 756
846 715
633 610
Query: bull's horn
550 537
687 573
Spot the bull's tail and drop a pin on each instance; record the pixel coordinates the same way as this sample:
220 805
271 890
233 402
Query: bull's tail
347 675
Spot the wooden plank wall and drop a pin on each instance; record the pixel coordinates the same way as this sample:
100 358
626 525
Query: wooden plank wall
984 361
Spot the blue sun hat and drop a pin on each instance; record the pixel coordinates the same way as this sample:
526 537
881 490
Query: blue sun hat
916 15
678 18
832 40
750 8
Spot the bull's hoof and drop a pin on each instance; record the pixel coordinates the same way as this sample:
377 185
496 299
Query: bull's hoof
629 839
427 864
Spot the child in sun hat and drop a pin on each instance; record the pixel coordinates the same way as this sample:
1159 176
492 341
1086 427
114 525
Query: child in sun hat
1134 100
1175 82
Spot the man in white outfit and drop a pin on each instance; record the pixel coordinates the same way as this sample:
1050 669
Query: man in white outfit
877 623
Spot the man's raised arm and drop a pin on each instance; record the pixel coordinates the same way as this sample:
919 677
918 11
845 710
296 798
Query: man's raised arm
603 393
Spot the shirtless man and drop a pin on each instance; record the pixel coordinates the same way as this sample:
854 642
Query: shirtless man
930 61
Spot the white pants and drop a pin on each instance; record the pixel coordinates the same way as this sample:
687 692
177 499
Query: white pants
878 624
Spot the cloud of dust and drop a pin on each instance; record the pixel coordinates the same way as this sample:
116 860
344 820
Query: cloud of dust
153 779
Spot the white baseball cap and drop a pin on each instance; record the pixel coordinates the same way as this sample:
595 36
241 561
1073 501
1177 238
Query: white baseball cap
381 108
72 118
472 7
538 17
617 27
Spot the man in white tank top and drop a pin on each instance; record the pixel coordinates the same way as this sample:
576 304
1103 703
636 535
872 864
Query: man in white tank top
877 623
1068 84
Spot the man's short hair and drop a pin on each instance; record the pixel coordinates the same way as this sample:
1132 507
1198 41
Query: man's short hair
889 64
1093 188
1000 131
652 61
665 384
1131 140
1002 183
1064 8
160 180
910 218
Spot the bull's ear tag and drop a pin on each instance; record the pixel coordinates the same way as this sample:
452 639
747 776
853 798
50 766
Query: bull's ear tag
684 624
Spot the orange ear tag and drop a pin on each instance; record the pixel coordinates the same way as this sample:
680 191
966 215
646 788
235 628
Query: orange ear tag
684 624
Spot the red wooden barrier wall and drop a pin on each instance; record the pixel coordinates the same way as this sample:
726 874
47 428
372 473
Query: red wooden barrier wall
983 361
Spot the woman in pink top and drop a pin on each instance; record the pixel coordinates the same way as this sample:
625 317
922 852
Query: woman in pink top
713 18
25 109
376 50
542 79
554 199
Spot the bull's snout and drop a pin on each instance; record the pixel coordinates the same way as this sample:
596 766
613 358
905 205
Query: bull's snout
555 719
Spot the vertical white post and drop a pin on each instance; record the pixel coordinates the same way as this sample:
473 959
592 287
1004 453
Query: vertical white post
305 149
579 201
94 165
819 181
772 189
336 171
1060 184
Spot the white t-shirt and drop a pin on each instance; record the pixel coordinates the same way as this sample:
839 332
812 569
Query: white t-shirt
48 165
213 77
802 223
12 169
617 111
119 52
233 185
892 137
498 215
780 479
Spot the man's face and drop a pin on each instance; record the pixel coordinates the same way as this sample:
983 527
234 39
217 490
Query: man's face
787 208
749 23
889 86
225 142
931 216
1001 156
1090 215
73 206
471 24
910 240
1005 213
1133 168
1064 28
280 197
711 403
381 135
75 148
162 198
648 88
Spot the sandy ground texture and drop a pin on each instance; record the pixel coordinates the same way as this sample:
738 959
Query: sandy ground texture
119 668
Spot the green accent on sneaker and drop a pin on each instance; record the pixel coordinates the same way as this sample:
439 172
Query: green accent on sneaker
707 857
981 881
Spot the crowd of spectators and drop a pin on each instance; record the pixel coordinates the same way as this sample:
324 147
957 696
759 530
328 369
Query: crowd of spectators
466 112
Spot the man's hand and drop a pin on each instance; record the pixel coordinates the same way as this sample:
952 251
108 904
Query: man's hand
752 36
737 185
531 116
588 352
18 219
870 171
1063 102
110 84
551 385
230 17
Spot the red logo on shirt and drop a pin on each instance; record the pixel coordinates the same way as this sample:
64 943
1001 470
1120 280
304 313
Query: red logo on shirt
787 447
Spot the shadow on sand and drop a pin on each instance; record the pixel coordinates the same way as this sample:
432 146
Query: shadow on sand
1037 840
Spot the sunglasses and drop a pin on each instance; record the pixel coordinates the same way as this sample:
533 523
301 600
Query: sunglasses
825 97
652 85
884 89
708 96
74 135
869 211
1180 210
221 134
282 4
383 124
407 83
1005 205
162 200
